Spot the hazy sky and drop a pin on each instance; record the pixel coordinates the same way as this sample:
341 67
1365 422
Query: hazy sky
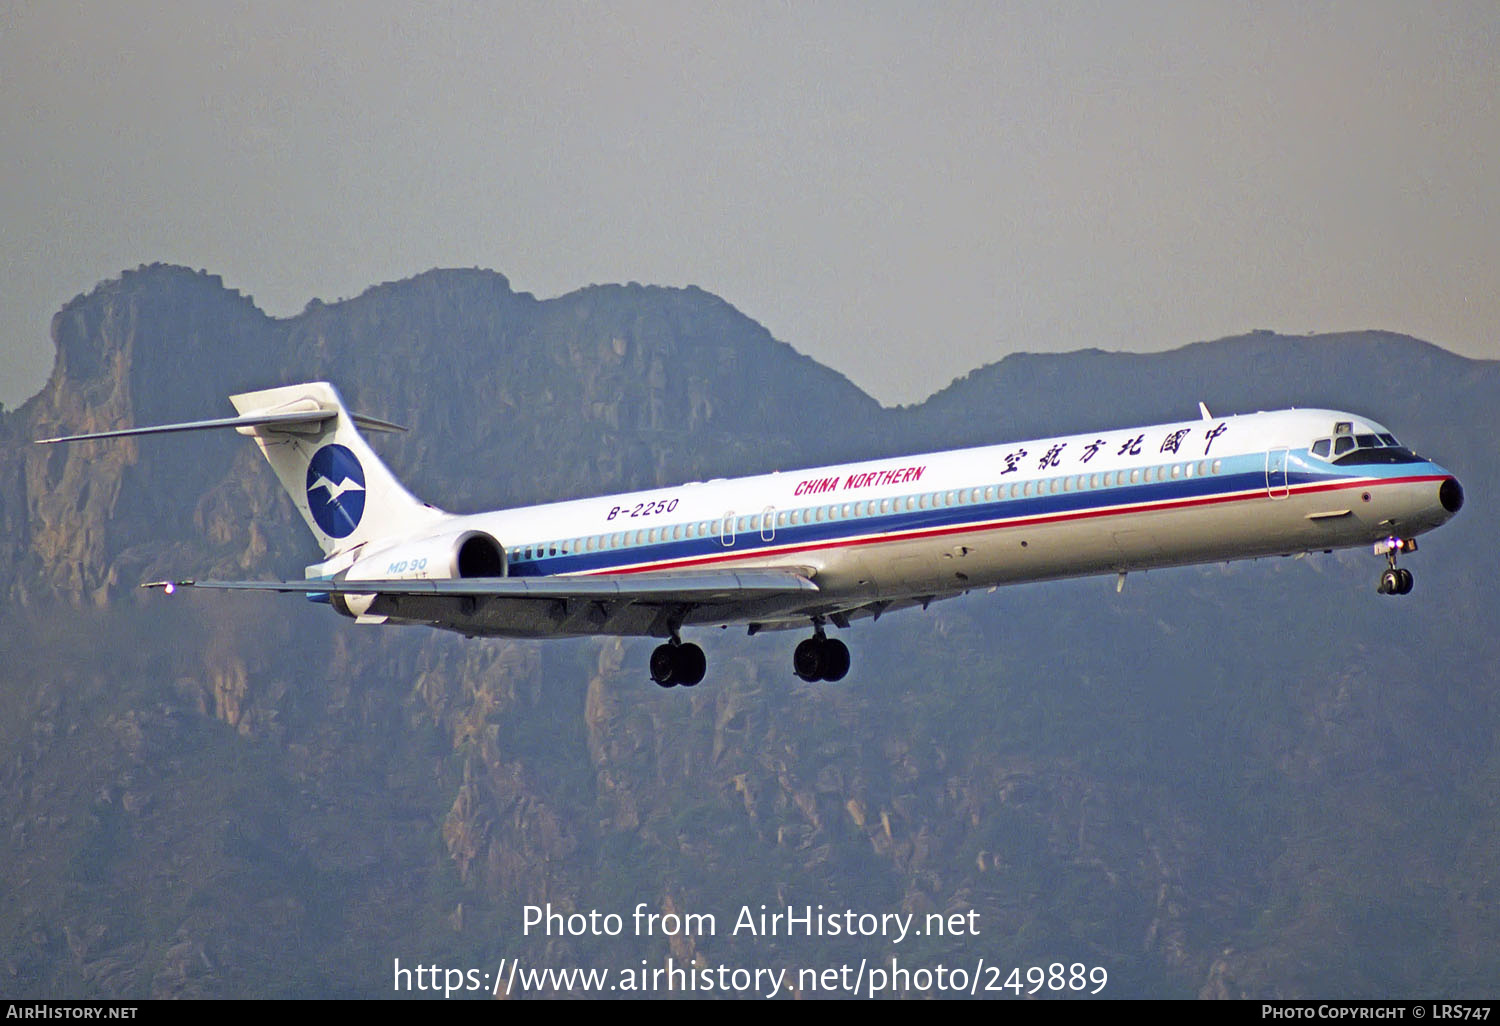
903 191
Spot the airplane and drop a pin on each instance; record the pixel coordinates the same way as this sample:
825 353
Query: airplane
828 545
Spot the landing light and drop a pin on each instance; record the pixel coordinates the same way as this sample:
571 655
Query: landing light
169 588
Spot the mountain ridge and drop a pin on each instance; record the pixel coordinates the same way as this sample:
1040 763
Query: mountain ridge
1250 780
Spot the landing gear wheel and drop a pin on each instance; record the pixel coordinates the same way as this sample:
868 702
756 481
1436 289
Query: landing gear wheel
820 658
692 664
1404 588
835 660
807 659
664 666
1390 582
673 664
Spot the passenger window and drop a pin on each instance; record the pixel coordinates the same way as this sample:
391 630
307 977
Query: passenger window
1135 475
1216 465
1176 471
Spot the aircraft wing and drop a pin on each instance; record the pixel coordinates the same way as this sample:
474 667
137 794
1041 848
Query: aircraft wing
627 604
699 585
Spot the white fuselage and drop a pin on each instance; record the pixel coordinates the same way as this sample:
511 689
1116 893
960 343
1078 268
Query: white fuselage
885 533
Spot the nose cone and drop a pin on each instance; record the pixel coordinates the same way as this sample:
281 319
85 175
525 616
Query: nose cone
1451 495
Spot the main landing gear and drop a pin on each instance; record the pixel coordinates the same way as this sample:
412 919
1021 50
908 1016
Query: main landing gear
676 663
1395 580
820 658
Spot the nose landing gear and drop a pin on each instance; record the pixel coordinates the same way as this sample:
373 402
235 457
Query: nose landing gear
1395 580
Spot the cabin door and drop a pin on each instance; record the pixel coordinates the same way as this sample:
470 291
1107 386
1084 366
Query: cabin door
1276 486
768 524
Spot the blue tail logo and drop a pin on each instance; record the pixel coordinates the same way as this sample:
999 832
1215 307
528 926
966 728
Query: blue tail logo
336 490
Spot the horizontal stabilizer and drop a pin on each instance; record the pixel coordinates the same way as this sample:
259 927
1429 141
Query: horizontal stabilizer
283 419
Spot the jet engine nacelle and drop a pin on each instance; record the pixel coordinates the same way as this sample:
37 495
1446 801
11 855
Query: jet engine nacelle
444 557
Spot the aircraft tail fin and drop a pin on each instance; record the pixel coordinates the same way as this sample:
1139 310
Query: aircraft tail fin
344 492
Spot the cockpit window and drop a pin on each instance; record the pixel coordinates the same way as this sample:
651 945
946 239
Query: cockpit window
1354 449
1384 454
